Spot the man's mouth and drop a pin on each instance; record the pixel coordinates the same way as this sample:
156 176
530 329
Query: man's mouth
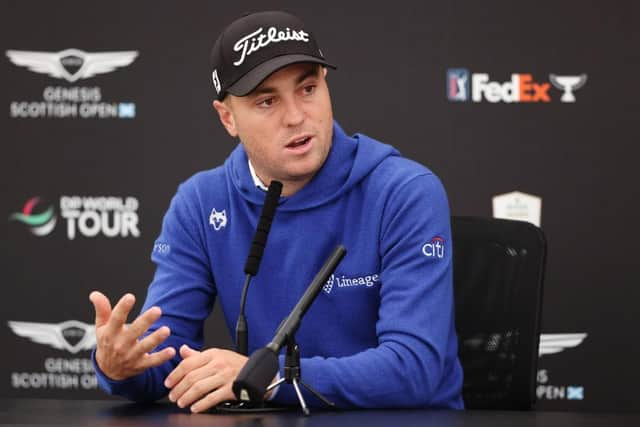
299 142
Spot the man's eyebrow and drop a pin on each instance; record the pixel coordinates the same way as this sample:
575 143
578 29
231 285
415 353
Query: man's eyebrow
310 72
302 77
261 90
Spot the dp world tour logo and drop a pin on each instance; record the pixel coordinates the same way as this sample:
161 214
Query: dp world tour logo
41 223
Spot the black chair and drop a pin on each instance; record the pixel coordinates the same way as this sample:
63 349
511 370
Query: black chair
498 279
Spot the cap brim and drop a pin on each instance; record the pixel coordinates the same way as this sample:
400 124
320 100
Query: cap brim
253 78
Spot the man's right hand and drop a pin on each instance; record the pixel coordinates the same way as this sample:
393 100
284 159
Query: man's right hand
120 353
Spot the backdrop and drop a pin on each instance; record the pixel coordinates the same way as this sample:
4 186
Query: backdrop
525 110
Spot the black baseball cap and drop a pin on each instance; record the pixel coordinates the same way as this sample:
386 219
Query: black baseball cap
254 46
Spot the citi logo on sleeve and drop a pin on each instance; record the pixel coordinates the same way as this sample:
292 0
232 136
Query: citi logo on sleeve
434 248
463 86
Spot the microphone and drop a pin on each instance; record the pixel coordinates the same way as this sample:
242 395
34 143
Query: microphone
254 378
264 225
253 260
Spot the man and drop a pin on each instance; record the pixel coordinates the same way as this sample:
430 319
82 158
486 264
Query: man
382 332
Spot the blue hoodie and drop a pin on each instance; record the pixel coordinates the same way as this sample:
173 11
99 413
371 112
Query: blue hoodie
380 334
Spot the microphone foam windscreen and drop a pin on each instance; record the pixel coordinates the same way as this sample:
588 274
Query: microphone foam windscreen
262 231
256 375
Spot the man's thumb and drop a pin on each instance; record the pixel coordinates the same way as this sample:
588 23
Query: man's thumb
102 306
186 351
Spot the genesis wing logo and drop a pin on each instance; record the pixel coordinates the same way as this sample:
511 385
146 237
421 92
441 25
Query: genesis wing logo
71 335
72 64
555 343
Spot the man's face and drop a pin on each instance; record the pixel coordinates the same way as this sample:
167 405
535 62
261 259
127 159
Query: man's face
285 124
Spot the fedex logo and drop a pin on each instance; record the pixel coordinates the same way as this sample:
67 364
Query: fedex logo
521 88
463 86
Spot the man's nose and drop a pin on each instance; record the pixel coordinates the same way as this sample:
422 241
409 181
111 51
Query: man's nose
294 113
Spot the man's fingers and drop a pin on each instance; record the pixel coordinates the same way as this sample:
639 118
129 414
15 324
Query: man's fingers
194 385
176 377
102 307
212 399
157 358
186 351
120 312
139 326
151 341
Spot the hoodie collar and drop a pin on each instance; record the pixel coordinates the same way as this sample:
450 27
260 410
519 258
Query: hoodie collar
332 179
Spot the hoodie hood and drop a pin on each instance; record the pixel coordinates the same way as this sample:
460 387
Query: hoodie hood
350 159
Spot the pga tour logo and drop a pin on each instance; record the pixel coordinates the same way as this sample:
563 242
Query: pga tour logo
434 248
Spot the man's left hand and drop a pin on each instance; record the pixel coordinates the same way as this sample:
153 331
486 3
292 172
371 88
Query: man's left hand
204 378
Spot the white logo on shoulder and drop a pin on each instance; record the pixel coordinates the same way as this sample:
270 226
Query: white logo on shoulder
257 40
218 219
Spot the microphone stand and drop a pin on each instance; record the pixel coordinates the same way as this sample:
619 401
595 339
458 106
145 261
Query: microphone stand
255 377
251 269
292 375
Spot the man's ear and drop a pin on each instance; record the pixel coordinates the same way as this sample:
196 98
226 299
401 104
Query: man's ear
226 117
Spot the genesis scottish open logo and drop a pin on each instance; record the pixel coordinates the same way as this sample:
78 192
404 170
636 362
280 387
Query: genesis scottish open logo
71 102
58 372
463 86
41 223
554 344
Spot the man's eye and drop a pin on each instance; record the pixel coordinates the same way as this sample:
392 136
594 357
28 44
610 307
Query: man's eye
266 102
308 90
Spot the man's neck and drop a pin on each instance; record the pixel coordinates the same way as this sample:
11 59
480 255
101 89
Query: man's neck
289 188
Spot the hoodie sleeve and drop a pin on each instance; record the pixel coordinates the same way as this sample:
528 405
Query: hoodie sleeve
182 279
413 363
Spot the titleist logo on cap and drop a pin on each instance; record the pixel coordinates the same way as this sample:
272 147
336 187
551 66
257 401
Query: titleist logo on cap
257 40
